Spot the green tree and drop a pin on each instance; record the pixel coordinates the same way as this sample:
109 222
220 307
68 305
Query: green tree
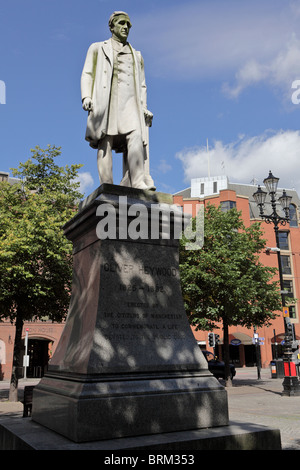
225 281
35 256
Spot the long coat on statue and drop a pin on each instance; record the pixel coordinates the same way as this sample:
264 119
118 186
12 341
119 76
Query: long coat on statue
96 82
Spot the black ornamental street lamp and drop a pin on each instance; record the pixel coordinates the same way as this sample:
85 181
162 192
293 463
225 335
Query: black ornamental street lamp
290 384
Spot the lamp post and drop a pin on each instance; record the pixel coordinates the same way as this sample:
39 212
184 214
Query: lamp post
290 383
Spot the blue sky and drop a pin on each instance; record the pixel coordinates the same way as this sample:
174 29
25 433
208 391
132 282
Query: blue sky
217 71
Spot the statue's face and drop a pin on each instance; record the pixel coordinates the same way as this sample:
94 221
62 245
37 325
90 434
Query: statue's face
121 27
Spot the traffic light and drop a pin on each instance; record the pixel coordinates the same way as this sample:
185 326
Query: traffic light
217 339
211 339
289 328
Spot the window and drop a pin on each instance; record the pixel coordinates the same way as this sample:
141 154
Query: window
288 286
292 311
215 190
251 212
286 264
202 188
227 205
2 353
293 216
283 240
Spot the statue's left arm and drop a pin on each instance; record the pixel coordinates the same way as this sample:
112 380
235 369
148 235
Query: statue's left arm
148 115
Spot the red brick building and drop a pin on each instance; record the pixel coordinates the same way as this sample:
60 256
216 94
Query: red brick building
219 191
43 336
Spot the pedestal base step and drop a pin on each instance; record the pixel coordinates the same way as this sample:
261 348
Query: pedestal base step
25 434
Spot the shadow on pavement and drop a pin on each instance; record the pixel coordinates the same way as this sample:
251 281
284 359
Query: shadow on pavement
4 394
268 385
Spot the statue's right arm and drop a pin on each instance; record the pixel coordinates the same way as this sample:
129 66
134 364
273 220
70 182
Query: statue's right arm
88 77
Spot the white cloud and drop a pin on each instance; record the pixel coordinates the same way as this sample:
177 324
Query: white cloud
238 43
86 181
164 167
248 158
279 72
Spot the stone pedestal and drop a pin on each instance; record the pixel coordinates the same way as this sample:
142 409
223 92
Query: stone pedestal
127 363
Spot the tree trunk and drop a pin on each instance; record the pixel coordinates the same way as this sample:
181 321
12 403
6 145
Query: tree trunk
16 367
228 381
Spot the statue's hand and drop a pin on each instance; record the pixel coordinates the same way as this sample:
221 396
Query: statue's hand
87 104
148 117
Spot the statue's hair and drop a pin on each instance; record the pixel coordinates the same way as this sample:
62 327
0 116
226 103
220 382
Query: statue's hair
113 17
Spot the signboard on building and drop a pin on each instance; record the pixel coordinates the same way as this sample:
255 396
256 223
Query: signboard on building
235 342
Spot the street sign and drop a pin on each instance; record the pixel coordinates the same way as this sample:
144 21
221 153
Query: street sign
26 357
259 341
285 312
25 360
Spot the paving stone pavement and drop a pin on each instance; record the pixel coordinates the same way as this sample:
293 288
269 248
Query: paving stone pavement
260 401
250 400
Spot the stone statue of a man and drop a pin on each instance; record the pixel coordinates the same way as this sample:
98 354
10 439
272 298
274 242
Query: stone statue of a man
113 90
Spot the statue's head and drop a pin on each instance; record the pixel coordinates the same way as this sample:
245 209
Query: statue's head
119 25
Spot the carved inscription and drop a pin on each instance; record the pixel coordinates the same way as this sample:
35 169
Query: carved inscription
143 304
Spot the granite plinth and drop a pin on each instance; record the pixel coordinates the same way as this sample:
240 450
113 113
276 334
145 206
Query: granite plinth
127 363
25 434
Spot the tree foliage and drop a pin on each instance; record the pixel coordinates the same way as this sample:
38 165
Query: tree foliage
35 256
225 280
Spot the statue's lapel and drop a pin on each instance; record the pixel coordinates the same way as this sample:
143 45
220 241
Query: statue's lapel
108 51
